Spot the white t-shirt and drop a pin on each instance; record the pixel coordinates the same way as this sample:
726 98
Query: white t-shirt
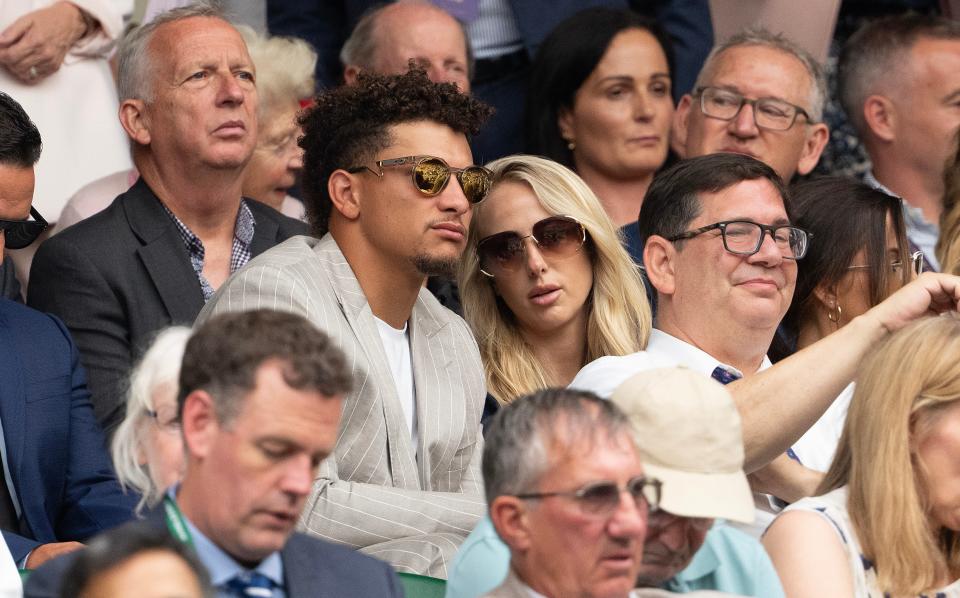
396 345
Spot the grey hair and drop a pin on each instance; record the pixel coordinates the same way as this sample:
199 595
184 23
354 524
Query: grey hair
285 67
758 36
158 371
878 49
521 441
361 47
134 64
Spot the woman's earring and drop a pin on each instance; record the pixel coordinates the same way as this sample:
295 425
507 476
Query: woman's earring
571 145
834 314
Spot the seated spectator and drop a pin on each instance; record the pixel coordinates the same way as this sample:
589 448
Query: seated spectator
784 129
389 186
388 37
260 399
723 290
547 287
556 467
948 243
688 432
884 521
188 103
600 103
57 486
147 448
897 79
858 257
284 77
136 559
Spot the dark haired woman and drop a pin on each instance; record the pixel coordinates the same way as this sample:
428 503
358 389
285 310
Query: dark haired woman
858 257
599 102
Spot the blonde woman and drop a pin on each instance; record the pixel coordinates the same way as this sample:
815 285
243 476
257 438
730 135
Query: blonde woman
886 520
546 285
948 245
147 448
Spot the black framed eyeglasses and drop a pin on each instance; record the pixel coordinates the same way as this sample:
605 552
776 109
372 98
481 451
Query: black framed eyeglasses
431 174
20 233
916 264
602 498
768 113
557 237
743 237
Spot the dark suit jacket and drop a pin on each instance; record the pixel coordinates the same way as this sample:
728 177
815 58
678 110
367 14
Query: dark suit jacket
55 451
119 276
312 568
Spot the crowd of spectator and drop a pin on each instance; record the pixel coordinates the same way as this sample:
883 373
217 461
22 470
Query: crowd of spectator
506 298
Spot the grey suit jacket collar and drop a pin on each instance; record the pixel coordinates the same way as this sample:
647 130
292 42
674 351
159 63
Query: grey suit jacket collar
431 353
511 587
164 256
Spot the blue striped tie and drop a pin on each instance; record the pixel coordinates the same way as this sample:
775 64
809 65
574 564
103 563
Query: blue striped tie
251 585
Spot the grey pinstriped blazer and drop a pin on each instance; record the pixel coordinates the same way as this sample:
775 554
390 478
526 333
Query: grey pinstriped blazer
374 493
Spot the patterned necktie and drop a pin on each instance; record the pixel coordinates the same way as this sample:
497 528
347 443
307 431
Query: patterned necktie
251 585
724 376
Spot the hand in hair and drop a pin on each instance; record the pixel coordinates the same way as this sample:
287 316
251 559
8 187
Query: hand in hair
930 294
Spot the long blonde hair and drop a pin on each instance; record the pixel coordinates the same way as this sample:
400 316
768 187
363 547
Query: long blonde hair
902 389
948 244
618 318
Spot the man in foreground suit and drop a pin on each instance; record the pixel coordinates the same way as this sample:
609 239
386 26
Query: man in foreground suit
388 172
56 485
260 401
188 103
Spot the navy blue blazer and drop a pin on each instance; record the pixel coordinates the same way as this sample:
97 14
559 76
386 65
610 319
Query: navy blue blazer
312 568
55 449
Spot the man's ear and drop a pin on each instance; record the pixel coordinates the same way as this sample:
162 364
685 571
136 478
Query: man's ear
350 74
135 121
510 518
344 190
813 146
880 115
678 136
199 423
659 259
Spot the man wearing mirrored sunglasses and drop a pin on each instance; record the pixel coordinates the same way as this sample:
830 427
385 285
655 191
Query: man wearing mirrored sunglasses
389 181
57 486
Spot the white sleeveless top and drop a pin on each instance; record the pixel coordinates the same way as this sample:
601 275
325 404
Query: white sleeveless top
833 507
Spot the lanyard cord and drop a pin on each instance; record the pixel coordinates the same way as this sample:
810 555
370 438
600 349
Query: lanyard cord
175 522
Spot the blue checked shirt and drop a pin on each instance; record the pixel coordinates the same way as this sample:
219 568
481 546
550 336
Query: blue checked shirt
239 253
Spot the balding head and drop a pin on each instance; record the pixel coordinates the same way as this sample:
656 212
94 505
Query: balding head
387 39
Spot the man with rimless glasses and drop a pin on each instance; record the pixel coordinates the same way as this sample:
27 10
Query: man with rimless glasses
389 181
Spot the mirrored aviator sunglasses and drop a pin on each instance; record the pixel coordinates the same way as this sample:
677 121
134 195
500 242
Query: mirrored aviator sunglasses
556 237
431 175
20 233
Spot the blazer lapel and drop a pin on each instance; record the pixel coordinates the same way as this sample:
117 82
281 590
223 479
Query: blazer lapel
13 403
432 350
264 234
356 310
163 254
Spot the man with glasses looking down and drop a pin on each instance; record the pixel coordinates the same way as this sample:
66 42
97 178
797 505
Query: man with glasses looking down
389 182
722 256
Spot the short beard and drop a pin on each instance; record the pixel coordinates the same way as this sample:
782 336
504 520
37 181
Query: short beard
434 266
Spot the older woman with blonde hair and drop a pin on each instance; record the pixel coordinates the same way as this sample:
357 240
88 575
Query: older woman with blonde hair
147 448
887 517
545 283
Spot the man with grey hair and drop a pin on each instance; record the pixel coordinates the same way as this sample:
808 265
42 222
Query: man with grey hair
153 258
758 94
567 493
899 80
387 38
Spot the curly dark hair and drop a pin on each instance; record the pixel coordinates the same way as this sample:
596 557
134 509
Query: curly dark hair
349 125
224 353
